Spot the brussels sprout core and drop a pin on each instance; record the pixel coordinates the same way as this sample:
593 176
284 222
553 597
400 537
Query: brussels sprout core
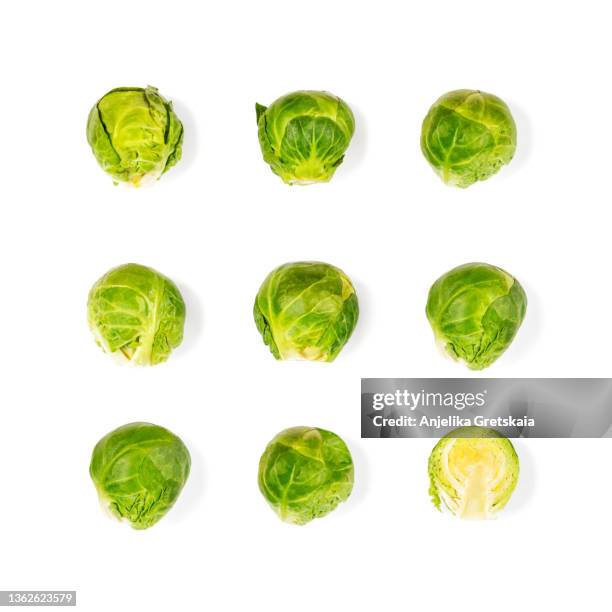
136 314
475 311
473 472
139 471
306 310
304 135
134 134
304 473
467 136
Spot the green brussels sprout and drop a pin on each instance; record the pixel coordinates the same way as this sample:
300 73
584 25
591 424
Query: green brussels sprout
139 471
306 310
473 472
136 314
467 136
134 133
304 135
304 473
475 311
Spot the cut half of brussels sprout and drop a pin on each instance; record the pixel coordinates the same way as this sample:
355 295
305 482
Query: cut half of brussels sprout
473 472
475 311
134 134
139 471
306 310
304 135
467 136
304 473
136 314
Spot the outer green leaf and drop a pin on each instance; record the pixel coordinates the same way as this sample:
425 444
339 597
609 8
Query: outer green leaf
304 135
467 136
306 310
139 471
475 311
259 110
305 473
473 471
137 314
134 133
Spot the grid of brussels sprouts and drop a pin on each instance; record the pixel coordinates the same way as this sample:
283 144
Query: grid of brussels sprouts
303 310
134 134
473 472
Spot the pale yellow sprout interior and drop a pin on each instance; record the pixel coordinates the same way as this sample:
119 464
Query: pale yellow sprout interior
476 468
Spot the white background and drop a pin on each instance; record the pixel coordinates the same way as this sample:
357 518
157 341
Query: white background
220 221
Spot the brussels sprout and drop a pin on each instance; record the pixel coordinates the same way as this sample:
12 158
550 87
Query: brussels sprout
306 310
139 471
304 473
136 314
467 136
134 133
473 472
304 135
475 311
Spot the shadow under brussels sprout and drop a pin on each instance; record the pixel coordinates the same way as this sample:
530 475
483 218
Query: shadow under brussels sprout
364 324
192 494
194 320
527 338
524 143
191 142
356 152
526 486
362 478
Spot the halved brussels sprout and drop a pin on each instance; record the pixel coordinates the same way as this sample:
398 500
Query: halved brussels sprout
306 310
467 136
136 314
473 472
475 311
134 133
304 135
139 471
304 473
